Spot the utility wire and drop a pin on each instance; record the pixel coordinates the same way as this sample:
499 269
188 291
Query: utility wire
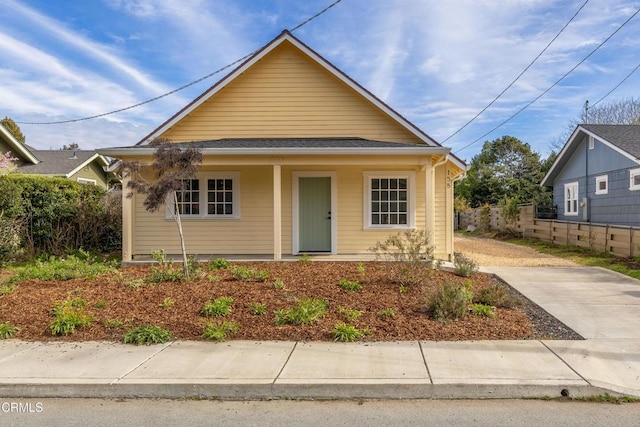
617 86
519 75
164 95
553 85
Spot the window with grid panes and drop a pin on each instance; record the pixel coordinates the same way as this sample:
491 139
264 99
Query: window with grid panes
389 201
188 199
220 196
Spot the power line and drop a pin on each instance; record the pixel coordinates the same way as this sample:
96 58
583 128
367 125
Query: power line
553 85
164 95
618 85
519 75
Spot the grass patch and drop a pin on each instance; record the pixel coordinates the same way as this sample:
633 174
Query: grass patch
306 312
219 332
247 274
606 398
219 307
349 314
350 285
387 312
8 289
258 309
68 268
347 333
7 330
147 335
166 303
69 315
584 256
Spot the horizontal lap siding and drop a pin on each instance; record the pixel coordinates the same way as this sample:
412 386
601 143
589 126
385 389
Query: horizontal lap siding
286 94
251 234
440 233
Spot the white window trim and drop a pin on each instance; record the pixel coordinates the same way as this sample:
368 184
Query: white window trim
410 176
203 178
87 181
577 187
632 174
599 179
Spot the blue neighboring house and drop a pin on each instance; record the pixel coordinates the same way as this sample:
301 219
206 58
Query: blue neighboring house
596 176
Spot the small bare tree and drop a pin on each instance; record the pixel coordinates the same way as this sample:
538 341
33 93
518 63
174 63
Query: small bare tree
172 165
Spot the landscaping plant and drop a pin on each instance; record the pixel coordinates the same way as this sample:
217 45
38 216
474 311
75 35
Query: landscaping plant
409 255
220 307
219 331
306 312
69 315
147 335
7 330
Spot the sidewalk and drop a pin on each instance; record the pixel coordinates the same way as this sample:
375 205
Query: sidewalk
601 305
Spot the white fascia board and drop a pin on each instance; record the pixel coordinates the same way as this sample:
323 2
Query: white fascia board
18 146
87 162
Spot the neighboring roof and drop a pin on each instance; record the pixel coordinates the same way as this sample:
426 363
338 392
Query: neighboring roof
17 148
625 139
286 36
62 162
261 146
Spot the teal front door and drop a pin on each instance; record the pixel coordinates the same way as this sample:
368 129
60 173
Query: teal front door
314 214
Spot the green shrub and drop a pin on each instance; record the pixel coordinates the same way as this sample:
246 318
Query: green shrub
8 289
409 255
166 303
464 266
387 312
218 264
278 283
61 214
67 268
219 332
249 274
347 333
69 315
10 241
7 330
220 307
483 310
451 302
306 312
350 285
351 315
164 270
147 335
496 296
115 323
258 308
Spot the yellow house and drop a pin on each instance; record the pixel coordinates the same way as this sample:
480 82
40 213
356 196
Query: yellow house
298 158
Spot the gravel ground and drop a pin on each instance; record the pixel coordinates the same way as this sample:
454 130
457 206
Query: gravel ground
494 253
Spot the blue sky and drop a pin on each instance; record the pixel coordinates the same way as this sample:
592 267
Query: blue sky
436 62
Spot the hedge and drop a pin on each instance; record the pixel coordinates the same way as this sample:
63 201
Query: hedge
56 216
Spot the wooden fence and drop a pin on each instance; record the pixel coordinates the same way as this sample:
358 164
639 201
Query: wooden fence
618 240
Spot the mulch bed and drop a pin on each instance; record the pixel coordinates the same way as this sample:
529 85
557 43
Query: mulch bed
125 298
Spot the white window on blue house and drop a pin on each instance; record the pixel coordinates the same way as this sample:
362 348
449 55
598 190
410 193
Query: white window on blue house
634 179
571 199
602 184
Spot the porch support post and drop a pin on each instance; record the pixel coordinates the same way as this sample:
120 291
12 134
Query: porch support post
127 222
277 212
430 199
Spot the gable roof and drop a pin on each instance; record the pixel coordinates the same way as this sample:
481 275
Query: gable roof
625 139
17 148
287 37
62 162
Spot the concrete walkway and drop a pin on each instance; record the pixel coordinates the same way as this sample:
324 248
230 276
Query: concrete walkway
600 305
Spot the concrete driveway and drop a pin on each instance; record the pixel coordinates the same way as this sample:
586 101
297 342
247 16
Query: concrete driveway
601 305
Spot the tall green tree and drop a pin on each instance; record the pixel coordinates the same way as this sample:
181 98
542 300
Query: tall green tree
13 128
505 168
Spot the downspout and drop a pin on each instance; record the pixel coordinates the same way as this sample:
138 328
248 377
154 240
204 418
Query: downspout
430 197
